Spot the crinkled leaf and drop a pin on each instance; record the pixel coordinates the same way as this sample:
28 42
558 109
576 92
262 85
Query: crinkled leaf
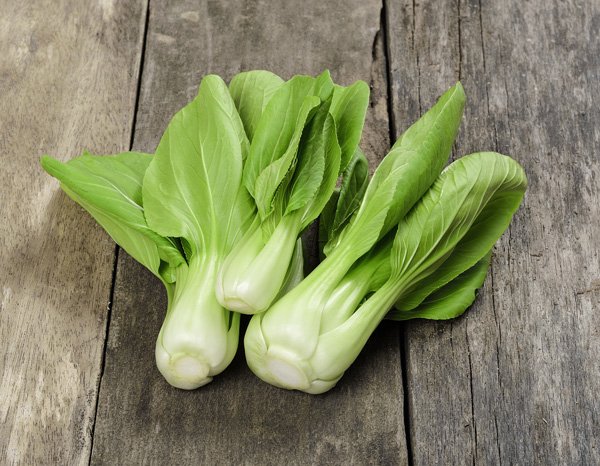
452 299
326 222
310 166
330 176
192 188
317 170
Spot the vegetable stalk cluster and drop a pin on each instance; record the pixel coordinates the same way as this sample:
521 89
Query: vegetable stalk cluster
217 213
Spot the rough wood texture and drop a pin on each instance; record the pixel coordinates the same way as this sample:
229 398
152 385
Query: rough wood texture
515 381
67 82
237 418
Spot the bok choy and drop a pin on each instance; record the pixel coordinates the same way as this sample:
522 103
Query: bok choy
178 213
305 136
415 235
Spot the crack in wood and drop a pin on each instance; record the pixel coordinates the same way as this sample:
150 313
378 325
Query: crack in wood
140 67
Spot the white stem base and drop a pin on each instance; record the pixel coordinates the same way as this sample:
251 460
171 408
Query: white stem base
182 370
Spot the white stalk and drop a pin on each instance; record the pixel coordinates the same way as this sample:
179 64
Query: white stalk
254 272
198 338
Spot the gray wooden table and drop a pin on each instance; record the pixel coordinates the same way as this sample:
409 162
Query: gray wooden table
514 381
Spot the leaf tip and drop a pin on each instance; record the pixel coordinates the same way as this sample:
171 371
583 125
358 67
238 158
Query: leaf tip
460 90
49 164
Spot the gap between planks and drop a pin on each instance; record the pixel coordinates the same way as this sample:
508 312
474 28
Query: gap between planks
113 281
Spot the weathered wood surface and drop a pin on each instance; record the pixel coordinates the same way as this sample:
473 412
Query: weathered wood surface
515 381
237 418
68 78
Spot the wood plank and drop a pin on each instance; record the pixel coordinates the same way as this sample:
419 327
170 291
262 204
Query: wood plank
515 380
237 418
68 75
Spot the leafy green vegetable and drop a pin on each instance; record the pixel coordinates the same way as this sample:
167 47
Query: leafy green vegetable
179 213
216 214
193 190
309 338
306 133
297 318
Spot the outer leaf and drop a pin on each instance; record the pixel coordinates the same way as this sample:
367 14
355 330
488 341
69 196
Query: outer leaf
456 223
452 299
251 91
349 108
192 187
404 175
110 189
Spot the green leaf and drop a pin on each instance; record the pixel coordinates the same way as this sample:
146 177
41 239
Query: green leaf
192 188
332 153
354 184
110 189
277 126
275 145
326 222
404 175
317 169
452 299
310 167
456 223
251 91
349 108
323 86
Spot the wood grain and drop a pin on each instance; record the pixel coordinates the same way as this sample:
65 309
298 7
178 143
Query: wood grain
238 419
515 380
68 76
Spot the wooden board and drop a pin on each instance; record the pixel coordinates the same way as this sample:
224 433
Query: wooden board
68 76
237 418
515 381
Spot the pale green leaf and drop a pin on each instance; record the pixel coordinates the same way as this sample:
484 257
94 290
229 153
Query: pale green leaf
412 165
192 188
349 108
251 91
452 299
456 223
110 189
277 126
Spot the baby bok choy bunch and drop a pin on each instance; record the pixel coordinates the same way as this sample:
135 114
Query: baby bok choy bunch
178 213
419 242
303 134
